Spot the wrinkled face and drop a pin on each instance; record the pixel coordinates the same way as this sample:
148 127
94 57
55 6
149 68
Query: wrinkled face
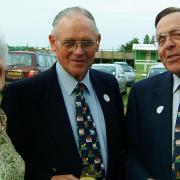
168 39
75 44
1 74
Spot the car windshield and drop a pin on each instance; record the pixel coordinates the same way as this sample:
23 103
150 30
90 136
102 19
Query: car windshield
155 71
127 68
107 69
19 60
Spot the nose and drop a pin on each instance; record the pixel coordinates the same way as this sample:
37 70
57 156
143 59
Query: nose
78 49
169 42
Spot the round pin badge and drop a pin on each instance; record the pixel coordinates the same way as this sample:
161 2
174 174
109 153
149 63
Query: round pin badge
106 97
159 109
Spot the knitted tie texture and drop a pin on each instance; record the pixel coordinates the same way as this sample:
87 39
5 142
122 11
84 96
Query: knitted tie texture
176 154
89 146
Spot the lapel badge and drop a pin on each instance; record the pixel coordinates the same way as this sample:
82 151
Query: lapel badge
106 97
159 109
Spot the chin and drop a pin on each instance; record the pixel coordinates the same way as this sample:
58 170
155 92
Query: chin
177 73
174 70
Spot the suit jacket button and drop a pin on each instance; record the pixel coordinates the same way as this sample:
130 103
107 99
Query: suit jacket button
53 170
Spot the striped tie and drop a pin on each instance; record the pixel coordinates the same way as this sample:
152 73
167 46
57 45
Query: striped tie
89 147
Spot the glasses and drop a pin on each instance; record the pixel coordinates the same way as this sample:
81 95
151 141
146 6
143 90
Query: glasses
71 45
162 36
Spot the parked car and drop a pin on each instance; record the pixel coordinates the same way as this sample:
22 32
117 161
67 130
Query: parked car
115 70
23 64
156 69
123 63
129 73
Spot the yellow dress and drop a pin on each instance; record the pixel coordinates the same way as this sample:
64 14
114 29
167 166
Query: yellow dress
11 164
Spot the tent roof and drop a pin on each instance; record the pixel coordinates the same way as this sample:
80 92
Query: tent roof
144 47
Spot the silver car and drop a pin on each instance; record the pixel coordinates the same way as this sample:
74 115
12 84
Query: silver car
115 70
156 69
129 73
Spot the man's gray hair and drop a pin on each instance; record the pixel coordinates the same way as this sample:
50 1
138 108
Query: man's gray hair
3 47
69 12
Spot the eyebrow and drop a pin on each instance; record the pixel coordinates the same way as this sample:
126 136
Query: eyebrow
171 29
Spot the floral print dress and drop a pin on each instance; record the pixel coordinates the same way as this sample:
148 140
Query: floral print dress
11 163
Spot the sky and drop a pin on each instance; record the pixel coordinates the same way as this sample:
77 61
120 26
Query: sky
28 22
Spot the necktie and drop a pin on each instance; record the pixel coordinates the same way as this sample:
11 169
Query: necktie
176 154
89 146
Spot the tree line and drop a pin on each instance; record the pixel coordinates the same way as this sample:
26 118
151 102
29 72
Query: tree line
128 46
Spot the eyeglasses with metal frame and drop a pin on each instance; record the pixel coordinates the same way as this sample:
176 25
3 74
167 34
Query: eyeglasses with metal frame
161 37
71 45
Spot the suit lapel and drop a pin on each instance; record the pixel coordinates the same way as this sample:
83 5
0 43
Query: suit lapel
163 93
61 130
101 92
164 99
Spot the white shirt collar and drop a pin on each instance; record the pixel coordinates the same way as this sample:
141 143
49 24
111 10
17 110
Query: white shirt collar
176 82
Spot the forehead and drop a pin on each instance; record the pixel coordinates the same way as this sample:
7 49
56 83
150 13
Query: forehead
78 25
169 22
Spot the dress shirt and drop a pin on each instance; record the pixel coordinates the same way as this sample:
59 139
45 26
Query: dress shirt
67 84
176 101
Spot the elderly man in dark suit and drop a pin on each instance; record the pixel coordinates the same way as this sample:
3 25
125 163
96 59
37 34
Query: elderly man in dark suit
152 116
42 117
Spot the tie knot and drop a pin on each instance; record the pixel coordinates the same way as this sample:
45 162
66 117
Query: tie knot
79 89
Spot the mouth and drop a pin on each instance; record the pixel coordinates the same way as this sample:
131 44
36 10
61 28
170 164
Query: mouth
173 57
79 60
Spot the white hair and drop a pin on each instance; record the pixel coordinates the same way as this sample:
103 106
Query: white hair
3 47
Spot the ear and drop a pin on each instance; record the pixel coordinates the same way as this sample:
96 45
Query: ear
52 41
98 40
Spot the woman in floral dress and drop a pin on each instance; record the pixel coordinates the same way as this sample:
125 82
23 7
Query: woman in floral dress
11 163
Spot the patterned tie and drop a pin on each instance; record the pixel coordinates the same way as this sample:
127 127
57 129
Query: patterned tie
89 147
176 154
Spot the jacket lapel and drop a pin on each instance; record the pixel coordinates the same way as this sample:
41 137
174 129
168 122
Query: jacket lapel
102 94
60 124
163 116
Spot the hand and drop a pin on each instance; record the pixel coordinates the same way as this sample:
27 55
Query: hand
64 177
150 179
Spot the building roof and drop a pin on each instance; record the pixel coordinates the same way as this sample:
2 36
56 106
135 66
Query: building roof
144 47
